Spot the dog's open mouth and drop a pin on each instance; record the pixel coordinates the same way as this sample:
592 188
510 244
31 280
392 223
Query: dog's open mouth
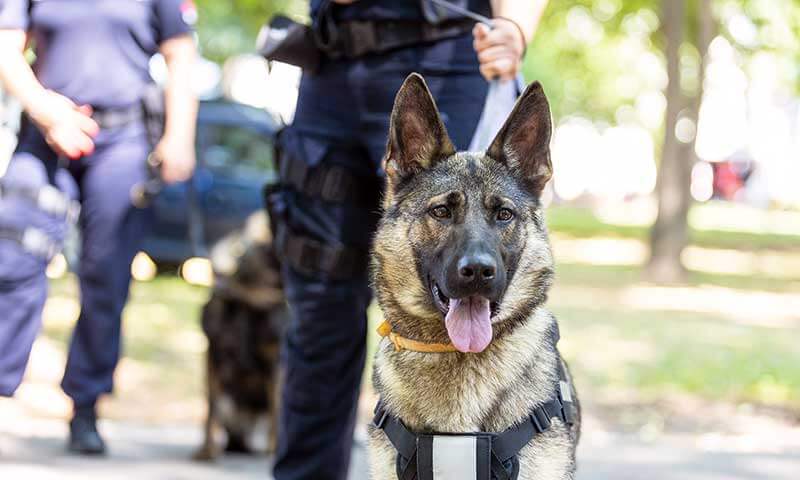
442 302
468 320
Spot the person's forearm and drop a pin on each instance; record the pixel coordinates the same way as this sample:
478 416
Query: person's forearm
16 75
181 102
525 13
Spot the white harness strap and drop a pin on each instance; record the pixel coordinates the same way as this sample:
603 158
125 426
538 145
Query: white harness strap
454 458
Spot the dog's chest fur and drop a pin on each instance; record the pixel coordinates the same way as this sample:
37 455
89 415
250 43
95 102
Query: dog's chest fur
491 391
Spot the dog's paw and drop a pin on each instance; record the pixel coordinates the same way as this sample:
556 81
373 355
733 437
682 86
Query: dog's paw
205 454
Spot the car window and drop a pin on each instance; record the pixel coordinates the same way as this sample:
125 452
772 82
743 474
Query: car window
237 151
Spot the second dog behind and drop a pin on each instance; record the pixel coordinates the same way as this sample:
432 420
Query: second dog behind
243 320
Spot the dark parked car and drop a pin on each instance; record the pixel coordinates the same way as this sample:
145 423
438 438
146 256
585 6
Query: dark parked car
234 162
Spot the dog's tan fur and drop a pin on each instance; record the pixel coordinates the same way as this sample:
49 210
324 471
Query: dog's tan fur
466 392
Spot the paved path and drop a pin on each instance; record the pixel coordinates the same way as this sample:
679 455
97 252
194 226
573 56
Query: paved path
35 451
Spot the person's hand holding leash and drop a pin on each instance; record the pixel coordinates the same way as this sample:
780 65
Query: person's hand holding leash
500 49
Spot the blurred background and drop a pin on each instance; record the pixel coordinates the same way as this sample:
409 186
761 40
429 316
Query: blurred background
674 215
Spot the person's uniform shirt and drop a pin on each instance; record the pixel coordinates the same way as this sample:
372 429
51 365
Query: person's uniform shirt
97 52
94 52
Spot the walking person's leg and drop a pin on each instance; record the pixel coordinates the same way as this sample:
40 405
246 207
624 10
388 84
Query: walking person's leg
112 230
23 284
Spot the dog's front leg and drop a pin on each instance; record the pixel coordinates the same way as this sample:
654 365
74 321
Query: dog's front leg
209 451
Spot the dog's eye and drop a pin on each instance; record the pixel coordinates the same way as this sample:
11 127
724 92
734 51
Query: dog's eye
440 212
505 214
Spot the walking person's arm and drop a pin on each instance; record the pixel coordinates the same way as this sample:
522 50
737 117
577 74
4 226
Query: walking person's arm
176 148
500 49
68 128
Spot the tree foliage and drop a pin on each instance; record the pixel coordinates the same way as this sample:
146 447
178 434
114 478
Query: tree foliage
230 27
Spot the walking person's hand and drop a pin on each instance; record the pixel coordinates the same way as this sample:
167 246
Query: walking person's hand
67 128
500 49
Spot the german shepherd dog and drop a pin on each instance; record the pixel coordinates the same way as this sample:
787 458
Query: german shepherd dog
243 320
461 258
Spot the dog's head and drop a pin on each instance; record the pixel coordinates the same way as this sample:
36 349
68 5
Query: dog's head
461 253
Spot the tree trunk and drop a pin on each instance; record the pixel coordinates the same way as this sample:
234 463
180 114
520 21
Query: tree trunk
669 235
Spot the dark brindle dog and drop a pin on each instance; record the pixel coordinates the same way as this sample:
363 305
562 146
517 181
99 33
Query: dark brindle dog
243 321
462 266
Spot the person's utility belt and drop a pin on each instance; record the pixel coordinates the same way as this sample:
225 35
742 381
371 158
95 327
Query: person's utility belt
32 240
476 456
48 199
149 110
356 38
304 46
111 118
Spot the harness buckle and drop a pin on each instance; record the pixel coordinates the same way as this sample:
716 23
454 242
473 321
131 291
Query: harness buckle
565 399
380 418
540 420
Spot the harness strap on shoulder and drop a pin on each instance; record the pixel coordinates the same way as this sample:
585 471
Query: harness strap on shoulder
403 440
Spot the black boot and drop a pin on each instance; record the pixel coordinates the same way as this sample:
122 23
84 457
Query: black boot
83 436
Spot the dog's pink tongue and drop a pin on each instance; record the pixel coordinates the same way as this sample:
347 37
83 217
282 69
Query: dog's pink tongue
468 324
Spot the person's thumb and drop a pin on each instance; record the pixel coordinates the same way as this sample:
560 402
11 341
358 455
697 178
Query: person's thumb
480 31
85 109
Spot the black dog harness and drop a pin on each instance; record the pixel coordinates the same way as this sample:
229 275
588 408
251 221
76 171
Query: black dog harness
471 456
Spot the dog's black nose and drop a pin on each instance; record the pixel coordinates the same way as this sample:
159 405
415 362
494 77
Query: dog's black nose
476 267
475 273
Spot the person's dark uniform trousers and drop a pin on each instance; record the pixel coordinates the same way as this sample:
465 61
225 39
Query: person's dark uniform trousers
327 205
95 53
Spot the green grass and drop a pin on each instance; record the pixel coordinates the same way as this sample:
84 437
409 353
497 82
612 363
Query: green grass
659 353
621 275
581 223
162 338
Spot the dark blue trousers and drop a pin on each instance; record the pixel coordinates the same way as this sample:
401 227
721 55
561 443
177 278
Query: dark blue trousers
342 118
111 231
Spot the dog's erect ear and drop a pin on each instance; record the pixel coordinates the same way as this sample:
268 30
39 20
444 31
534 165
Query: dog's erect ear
417 136
524 141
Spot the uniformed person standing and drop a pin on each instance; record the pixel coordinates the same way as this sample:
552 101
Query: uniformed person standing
83 138
327 206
